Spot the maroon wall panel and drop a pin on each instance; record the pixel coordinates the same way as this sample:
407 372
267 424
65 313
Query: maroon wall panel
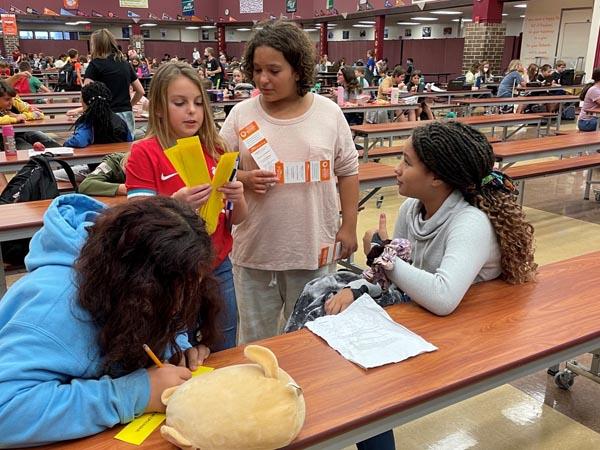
511 51
236 49
157 49
157 7
435 55
53 48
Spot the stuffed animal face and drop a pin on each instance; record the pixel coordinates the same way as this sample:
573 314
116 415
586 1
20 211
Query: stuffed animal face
246 407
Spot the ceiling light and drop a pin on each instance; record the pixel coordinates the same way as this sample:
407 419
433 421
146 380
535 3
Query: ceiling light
243 29
361 25
521 5
370 22
331 25
424 19
408 23
84 22
462 20
208 27
504 14
148 25
310 29
522 16
446 13
192 28
71 23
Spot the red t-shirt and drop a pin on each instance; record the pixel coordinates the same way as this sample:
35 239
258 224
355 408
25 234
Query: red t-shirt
149 172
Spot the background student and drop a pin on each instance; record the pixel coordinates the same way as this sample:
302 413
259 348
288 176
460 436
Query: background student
28 84
72 329
180 108
108 179
98 124
591 100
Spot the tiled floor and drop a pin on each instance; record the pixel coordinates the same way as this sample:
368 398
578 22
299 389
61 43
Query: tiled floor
531 413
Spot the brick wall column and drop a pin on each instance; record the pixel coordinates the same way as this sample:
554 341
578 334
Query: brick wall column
379 31
323 47
10 43
484 41
136 40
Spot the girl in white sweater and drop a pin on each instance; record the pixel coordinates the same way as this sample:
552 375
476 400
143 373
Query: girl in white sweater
461 217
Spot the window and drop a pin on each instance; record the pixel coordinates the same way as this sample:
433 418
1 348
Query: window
25 34
41 35
56 35
125 32
146 34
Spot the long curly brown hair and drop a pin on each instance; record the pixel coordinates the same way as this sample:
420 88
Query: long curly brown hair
145 276
293 42
461 156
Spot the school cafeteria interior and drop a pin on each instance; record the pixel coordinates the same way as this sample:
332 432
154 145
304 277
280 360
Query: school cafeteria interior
447 41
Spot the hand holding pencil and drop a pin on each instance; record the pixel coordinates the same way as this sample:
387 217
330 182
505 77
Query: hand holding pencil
161 377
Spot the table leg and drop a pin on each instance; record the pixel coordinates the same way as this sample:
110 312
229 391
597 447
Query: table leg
560 108
366 148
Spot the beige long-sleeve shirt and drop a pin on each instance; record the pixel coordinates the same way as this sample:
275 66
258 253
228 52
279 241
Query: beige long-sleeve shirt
286 227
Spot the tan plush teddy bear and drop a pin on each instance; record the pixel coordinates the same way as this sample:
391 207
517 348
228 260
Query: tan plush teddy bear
246 407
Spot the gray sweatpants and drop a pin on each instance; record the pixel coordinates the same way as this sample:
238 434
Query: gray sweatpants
266 299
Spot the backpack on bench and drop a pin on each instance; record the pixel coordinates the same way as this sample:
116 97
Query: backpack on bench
34 181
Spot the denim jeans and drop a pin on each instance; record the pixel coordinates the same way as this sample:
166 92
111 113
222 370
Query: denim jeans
587 124
383 441
228 316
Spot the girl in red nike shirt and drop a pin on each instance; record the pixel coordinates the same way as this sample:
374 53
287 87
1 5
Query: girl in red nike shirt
180 108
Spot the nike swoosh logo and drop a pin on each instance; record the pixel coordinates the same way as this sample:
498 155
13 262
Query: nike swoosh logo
166 177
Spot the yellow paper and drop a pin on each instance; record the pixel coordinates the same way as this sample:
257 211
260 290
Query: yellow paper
211 210
139 429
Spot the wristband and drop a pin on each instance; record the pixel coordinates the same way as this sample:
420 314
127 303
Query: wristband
358 292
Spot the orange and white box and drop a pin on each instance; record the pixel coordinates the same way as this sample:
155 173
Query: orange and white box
303 171
330 253
256 143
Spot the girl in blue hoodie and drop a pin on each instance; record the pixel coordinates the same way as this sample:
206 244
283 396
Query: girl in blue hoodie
101 283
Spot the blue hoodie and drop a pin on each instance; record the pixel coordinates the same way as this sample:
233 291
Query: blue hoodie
51 388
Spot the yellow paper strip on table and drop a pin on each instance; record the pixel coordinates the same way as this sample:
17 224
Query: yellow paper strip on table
139 429
212 208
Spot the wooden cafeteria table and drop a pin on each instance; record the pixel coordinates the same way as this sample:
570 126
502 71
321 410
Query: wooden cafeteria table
58 123
499 333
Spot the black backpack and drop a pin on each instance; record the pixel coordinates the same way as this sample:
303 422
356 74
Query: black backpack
67 78
35 181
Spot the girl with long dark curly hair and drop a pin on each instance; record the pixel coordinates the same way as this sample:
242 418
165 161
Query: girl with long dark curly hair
461 217
101 284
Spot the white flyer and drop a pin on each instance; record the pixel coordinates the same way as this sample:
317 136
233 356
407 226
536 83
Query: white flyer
256 143
366 335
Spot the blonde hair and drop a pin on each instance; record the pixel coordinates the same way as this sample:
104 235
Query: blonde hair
103 44
514 65
158 122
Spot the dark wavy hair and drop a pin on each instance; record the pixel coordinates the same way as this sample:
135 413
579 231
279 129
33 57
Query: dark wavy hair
295 45
145 276
461 156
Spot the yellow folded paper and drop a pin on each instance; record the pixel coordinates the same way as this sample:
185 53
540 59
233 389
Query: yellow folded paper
139 429
188 159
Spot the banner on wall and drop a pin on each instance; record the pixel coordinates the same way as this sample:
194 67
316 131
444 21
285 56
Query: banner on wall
329 4
30 10
64 12
187 7
71 4
251 6
49 12
96 13
16 10
291 6
133 3
9 24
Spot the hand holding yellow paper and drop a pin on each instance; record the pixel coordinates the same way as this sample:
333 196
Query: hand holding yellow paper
188 159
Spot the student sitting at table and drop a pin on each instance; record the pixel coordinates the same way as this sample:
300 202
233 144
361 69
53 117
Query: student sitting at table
513 78
347 80
359 73
14 110
28 84
383 94
591 100
108 178
472 74
98 124
101 283
461 217
416 85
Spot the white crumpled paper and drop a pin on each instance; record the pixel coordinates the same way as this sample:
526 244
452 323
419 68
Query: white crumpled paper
366 335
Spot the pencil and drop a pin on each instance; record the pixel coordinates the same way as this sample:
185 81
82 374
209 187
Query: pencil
152 356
